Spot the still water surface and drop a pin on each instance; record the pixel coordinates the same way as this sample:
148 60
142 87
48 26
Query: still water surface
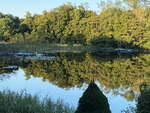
68 76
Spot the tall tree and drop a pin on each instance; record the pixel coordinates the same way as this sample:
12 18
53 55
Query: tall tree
93 101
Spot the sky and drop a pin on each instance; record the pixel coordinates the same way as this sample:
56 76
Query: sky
19 7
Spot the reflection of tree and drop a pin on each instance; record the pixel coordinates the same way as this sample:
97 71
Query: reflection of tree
93 101
113 74
6 70
7 66
129 95
59 72
143 105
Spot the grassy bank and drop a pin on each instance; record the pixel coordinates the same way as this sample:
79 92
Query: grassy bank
31 47
11 102
43 47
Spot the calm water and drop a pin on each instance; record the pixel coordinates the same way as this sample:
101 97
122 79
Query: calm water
67 76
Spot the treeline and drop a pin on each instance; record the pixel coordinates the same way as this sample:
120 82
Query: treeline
70 24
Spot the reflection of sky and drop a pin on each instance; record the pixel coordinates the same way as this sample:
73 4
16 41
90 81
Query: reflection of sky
71 96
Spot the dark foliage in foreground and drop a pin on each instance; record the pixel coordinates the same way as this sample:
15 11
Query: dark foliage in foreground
11 102
93 101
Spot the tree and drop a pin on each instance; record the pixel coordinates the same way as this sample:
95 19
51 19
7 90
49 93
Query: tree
143 105
24 28
9 26
136 3
93 101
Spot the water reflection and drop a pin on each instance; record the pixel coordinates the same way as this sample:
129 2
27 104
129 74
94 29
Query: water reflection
116 74
113 72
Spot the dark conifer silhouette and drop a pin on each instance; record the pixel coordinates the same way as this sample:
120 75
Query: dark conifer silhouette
93 101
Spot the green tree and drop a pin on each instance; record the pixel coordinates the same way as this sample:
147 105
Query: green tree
144 99
137 3
9 26
93 101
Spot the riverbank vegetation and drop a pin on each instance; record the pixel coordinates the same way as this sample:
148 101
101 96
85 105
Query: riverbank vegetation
119 24
11 102
143 101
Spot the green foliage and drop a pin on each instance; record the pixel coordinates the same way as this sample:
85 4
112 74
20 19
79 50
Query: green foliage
69 24
144 99
9 26
93 101
132 3
11 102
112 71
137 3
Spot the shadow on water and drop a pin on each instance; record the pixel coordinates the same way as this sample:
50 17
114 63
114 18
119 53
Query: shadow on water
111 42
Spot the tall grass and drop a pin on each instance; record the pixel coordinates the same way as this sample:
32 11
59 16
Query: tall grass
11 102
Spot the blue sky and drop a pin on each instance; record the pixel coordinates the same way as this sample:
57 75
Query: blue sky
19 7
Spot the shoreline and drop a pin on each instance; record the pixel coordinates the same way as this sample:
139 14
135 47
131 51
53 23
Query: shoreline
54 48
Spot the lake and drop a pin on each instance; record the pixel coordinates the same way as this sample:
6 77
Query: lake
66 76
